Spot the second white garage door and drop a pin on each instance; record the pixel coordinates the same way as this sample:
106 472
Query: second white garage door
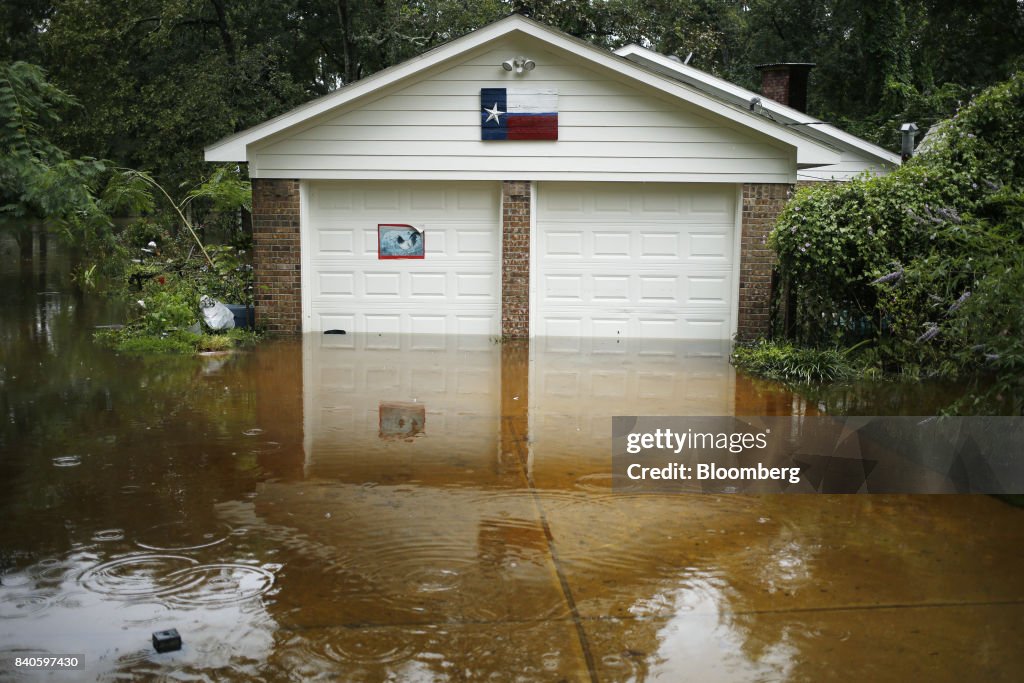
635 260
453 290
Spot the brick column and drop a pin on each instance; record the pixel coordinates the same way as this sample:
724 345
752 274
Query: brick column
277 274
762 203
515 258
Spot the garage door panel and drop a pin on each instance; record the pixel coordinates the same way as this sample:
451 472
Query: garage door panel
609 327
381 284
665 204
428 285
658 327
474 325
659 245
383 323
713 246
708 289
713 204
454 289
428 324
335 242
427 200
659 289
611 245
564 287
336 284
472 242
706 328
475 286
338 322
617 204
635 260
564 244
610 289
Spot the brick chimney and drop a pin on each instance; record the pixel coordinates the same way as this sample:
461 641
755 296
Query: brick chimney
786 83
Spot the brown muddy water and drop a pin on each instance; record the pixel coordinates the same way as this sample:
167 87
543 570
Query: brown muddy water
422 509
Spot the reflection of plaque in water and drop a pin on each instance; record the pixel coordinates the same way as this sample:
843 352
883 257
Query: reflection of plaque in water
402 420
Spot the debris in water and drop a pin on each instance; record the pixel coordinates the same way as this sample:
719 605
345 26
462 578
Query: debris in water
167 641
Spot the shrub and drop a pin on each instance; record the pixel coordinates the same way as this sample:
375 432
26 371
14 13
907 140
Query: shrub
789 363
926 263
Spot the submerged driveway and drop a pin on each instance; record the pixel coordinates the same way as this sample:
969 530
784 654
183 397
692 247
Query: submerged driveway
375 508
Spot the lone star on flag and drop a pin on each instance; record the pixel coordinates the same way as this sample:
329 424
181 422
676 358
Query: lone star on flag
494 113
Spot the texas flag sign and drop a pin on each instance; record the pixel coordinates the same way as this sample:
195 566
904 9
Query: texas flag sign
518 114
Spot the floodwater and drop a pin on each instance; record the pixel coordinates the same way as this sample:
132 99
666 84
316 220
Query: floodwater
346 508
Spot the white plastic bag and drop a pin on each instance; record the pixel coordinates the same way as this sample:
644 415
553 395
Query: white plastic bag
216 314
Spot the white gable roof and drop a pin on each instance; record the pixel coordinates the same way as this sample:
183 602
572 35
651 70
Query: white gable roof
810 152
780 113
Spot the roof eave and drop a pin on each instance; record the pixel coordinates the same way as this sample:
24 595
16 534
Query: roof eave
809 152
669 66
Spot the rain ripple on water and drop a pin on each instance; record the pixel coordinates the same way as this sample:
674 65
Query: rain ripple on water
220 584
24 604
178 579
138 576
179 536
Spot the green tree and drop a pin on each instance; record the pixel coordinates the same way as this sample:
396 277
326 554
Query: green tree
37 178
158 80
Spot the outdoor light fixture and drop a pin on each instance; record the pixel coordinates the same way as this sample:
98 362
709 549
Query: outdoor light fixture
519 64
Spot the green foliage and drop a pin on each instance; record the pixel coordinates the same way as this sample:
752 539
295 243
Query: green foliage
215 343
225 190
169 309
177 342
928 262
37 178
166 320
794 364
159 79
148 345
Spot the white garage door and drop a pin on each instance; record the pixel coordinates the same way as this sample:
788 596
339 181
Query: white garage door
635 260
454 289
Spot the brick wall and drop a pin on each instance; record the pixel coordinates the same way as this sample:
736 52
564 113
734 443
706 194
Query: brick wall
515 258
277 272
775 85
762 203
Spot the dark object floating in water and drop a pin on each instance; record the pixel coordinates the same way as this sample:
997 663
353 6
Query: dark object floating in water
113 326
167 641
334 331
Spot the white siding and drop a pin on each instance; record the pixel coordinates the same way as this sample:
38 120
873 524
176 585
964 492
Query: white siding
608 130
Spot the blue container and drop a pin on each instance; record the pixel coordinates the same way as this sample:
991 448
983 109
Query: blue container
245 316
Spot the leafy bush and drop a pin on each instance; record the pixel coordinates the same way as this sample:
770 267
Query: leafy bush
130 341
133 340
789 363
168 307
926 263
